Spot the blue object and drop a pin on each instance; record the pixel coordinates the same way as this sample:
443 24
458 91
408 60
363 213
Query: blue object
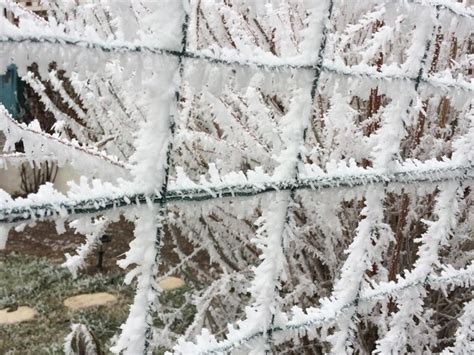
13 95
9 90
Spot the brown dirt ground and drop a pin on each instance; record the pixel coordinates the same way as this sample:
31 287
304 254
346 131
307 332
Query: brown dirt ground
42 240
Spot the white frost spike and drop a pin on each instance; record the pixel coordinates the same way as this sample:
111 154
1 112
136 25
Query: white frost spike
341 134
386 141
154 137
80 341
93 233
464 343
293 125
265 287
144 253
4 231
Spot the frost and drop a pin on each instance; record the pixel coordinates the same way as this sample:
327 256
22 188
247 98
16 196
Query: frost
80 339
93 232
144 253
465 333
4 230
310 162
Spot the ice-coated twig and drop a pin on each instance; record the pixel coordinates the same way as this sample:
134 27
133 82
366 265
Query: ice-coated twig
93 231
465 333
38 144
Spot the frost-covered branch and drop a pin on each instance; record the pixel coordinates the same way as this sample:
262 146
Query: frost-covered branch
62 120
93 232
38 144
144 253
410 302
465 333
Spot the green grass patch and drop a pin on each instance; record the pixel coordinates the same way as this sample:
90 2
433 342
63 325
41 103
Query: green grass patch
27 281
37 283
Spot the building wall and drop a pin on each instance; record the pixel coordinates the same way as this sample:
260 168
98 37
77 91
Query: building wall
31 5
10 177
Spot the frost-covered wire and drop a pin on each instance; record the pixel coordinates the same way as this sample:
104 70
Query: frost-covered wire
39 206
152 157
239 134
280 64
303 321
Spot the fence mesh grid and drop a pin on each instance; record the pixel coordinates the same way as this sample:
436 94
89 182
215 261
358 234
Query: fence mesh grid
415 174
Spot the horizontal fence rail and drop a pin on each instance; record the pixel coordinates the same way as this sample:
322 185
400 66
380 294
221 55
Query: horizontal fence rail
34 210
278 64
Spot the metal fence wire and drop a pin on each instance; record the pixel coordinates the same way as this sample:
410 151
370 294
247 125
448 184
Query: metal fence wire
27 210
